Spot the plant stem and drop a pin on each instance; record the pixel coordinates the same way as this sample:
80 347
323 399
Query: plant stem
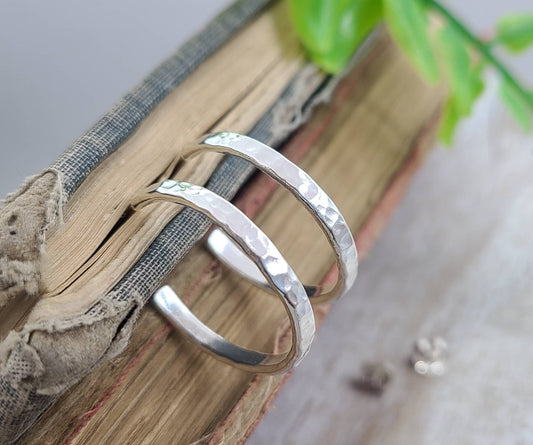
483 48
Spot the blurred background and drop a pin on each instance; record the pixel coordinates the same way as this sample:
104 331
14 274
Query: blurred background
457 255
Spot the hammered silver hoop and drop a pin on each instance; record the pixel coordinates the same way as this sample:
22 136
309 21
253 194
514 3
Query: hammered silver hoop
256 245
305 189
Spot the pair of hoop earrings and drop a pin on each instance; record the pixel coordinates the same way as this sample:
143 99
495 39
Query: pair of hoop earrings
243 247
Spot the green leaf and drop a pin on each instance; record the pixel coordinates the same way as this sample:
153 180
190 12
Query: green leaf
407 22
311 19
453 111
517 105
448 123
515 31
464 79
331 30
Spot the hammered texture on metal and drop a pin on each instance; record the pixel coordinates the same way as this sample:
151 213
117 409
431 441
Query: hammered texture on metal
257 247
297 181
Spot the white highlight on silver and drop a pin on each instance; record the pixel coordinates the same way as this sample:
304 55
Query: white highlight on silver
305 189
262 252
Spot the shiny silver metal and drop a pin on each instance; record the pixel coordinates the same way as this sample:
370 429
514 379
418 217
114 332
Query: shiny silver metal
306 190
255 244
429 356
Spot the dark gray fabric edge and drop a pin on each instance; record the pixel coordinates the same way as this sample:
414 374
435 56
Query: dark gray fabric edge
115 126
189 226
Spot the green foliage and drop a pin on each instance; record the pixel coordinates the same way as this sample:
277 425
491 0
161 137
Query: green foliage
515 103
465 80
331 30
515 31
407 22
448 122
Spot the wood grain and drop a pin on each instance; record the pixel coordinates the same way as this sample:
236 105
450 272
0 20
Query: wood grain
162 390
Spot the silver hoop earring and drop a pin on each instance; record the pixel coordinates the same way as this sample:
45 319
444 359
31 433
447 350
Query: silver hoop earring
262 252
306 190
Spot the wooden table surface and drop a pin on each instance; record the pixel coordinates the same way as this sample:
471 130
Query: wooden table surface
456 261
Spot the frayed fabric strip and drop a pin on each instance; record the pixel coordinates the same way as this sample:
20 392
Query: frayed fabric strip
24 219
